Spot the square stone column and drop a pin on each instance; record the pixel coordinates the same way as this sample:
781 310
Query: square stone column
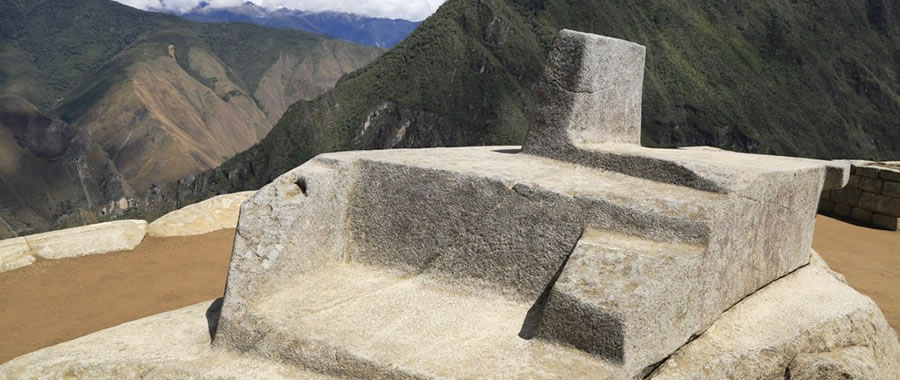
590 94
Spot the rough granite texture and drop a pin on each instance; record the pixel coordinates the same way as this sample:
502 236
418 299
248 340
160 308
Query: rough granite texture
591 93
93 239
585 255
14 254
210 215
172 345
122 235
809 322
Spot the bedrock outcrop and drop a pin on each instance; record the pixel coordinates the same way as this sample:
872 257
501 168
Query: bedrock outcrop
578 255
210 215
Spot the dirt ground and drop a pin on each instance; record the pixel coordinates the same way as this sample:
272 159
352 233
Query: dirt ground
52 301
868 258
55 301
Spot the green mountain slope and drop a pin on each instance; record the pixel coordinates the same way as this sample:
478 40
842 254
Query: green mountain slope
797 77
162 97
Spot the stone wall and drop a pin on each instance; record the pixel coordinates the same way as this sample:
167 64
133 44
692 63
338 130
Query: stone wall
872 197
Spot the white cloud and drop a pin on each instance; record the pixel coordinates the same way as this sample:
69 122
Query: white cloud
406 9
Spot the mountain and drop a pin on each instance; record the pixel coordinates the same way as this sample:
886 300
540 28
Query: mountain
372 31
49 170
789 77
162 97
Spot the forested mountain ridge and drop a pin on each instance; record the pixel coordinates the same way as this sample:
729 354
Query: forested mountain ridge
798 77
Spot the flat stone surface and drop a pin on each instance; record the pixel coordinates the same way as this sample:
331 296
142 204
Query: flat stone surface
122 235
172 345
809 311
14 254
213 214
413 327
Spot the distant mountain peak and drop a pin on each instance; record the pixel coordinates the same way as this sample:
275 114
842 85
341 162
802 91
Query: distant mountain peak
360 29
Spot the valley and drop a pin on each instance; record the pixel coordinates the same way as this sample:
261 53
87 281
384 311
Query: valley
153 97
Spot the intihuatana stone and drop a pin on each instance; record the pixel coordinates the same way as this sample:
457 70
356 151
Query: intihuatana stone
584 255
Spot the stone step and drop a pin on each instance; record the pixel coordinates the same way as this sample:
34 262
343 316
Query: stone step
353 320
628 299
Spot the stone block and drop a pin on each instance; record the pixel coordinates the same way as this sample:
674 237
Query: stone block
890 174
873 185
590 94
861 215
847 195
14 254
826 206
879 203
854 181
826 195
867 171
213 214
891 189
93 239
810 310
841 209
887 222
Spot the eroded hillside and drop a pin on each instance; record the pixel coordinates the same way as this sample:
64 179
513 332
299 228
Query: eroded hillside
160 96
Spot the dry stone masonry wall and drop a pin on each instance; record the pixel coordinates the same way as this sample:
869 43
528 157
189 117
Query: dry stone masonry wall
871 197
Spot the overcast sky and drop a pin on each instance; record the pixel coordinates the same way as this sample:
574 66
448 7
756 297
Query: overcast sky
414 10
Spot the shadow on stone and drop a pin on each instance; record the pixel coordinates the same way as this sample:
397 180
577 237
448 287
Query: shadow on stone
536 312
508 151
212 316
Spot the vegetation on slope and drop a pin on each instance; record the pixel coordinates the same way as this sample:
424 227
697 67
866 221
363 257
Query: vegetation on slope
798 77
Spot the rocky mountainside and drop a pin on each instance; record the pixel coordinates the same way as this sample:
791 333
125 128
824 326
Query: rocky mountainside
801 78
162 97
372 31
48 171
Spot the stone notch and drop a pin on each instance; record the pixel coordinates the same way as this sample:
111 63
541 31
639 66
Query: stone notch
590 94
